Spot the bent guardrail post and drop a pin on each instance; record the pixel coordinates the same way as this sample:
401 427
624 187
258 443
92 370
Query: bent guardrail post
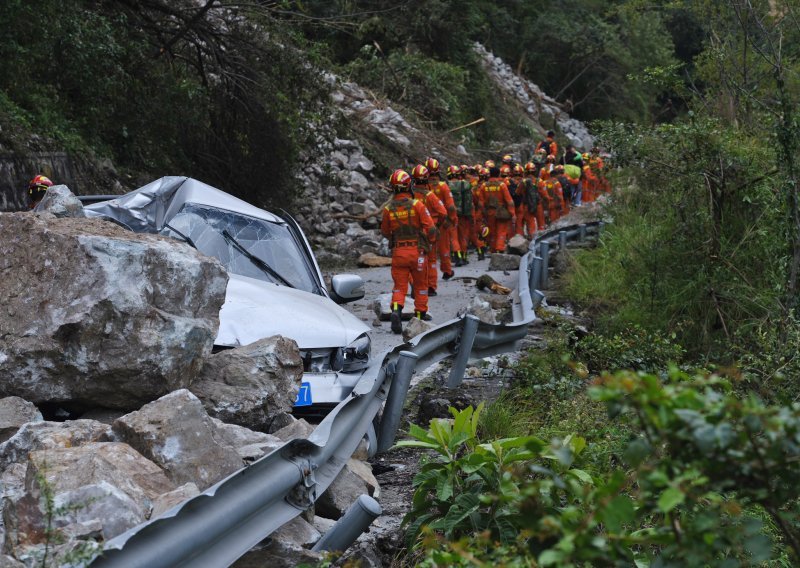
582 232
545 261
393 409
562 240
465 343
355 521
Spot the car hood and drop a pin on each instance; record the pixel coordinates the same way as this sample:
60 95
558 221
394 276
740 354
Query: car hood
254 309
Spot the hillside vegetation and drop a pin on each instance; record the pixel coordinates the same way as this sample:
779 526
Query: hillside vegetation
667 436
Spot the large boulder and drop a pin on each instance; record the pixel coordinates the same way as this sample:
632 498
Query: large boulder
35 436
61 202
106 487
252 384
95 315
176 433
14 412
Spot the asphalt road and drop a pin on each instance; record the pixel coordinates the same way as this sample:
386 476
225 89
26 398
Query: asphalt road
453 295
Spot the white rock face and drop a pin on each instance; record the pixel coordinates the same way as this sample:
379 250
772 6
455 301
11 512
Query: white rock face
95 315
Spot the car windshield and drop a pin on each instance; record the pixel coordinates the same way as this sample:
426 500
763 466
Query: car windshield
223 234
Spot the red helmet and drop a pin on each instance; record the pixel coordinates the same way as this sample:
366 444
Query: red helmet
551 159
433 166
559 169
464 168
453 171
38 186
420 173
483 173
505 171
518 171
508 159
400 180
530 168
489 164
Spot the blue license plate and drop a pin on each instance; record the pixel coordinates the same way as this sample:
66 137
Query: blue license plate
303 395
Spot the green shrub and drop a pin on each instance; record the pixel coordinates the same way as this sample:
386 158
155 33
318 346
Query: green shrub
632 348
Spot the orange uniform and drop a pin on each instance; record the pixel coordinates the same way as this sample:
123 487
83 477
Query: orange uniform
555 195
409 227
448 237
439 214
528 193
499 211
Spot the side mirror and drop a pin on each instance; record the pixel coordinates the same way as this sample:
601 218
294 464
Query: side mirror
346 288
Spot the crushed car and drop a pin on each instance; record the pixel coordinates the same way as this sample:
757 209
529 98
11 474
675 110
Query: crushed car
275 285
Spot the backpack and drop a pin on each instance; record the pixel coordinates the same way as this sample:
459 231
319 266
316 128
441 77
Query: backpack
531 197
462 196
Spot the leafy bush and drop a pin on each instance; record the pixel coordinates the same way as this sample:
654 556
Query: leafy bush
701 473
632 348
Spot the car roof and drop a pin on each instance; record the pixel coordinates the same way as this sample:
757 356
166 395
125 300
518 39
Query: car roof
148 208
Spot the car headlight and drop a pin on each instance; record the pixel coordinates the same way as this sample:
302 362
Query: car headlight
356 355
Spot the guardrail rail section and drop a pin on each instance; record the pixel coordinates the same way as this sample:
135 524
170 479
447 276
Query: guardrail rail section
218 526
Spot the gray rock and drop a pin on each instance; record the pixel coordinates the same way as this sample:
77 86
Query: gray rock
518 245
252 384
175 433
101 316
415 327
50 436
14 412
170 499
343 492
248 444
298 531
61 202
482 310
297 429
357 181
499 261
278 554
383 309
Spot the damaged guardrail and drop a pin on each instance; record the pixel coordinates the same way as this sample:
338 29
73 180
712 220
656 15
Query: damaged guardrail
224 522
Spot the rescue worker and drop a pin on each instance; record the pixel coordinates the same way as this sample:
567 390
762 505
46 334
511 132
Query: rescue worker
516 178
478 235
543 212
448 233
566 187
498 209
409 227
589 180
598 167
37 187
461 190
438 213
555 196
549 144
529 202
573 174
569 155
539 158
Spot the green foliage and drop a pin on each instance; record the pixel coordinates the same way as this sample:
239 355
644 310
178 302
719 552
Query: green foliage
706 478
506 417
632 348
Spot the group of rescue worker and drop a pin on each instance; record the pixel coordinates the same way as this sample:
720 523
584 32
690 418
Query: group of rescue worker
430 220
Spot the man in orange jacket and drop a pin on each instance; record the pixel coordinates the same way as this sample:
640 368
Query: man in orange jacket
409 227
529 202
422 191
555 197
498 209
448 236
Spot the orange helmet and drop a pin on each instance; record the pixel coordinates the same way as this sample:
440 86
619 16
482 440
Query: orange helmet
38 186
464 168
400 180
420 173
530 168
484 173
489 163
508 159
477 167
505 170
559 169
551 159
453 171
433 166
586 156
518 171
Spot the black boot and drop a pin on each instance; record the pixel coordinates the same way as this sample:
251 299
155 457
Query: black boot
448 275
481 256
432 292
423 316
396 319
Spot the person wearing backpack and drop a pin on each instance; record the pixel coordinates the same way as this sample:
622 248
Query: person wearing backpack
498 209
409 227
435 207
464 202
549 144
448 236
528 195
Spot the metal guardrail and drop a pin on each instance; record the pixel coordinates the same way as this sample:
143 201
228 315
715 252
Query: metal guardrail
217 527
